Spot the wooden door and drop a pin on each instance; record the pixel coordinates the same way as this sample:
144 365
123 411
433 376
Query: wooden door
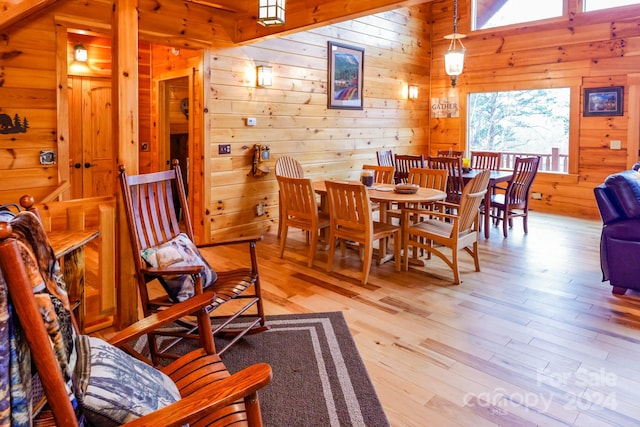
92 175
92 164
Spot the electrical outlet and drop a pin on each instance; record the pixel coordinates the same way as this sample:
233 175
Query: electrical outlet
536 196
615 144
260 209
251 121
224 148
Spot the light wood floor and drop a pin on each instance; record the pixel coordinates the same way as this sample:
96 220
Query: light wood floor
534 339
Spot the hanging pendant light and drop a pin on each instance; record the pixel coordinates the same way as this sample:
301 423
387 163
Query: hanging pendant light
454 56
271 12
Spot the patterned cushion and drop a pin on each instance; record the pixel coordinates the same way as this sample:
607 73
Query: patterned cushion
113 387
179 252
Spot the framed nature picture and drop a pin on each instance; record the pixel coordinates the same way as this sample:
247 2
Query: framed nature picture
346 66
603 101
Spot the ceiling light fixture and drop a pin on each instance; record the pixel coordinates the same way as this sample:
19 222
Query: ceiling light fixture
271 12
454 56
80 53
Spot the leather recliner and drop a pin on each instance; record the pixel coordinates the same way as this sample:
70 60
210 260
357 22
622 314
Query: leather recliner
618 201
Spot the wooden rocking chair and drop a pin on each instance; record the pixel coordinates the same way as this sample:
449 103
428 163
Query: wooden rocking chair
206 393
156 235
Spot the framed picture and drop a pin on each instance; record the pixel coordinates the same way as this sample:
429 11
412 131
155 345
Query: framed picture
603 101
346 66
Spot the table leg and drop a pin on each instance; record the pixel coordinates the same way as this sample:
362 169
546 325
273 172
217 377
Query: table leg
487 212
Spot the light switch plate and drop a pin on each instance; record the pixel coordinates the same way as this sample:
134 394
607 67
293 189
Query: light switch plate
251 121
615 144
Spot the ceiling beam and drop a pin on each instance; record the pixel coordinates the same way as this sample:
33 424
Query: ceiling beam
304 15
16 12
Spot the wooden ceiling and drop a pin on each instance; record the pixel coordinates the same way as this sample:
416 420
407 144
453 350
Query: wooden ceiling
241 14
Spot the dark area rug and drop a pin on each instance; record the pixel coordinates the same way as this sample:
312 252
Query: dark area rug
318 375
319 378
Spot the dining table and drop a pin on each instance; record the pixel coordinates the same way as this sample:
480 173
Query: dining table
496 176
386 195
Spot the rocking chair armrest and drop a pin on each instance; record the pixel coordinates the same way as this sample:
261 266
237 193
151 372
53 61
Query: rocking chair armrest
161 318
235 241
244 383
171 271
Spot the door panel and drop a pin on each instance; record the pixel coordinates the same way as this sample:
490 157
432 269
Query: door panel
92 149
98 140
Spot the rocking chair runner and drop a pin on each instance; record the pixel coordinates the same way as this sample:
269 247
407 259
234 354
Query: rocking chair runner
207 393
163 252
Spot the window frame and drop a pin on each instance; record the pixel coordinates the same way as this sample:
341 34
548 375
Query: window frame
575 87
573 9
582 3
566 8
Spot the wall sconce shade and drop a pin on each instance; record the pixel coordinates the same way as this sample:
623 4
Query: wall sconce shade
80 53
454 56
412 92
271 12
264 76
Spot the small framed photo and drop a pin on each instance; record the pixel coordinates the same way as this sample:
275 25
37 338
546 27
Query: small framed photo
603 101
346 67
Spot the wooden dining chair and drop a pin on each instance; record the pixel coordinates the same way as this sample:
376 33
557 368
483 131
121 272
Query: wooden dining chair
513 201
450 153
404 163
107 386
455 182
350 220
164 250
290 167
385 157
300 210
491 160
435 229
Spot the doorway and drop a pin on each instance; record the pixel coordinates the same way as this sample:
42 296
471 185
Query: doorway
91 150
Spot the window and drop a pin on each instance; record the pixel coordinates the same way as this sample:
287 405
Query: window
496 13
521 122
590 5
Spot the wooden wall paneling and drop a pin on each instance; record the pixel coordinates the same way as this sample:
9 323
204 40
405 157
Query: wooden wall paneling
591 50
144 105
15 12
63 111
633 132
292 115
26 97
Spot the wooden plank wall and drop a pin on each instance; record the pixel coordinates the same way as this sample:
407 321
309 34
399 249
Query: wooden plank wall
293 118
584 51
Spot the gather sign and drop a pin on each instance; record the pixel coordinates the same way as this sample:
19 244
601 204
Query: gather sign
445 107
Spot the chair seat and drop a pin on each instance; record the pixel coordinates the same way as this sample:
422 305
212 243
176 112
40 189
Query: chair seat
422 228
229 285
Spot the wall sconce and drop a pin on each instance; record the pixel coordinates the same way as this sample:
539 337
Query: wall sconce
80 53
271 12
264 76
412 92
454 56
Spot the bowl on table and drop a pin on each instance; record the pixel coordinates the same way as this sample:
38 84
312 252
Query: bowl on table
406 188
